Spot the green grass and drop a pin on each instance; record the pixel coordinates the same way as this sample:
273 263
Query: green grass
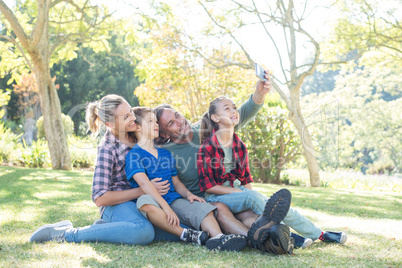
33 197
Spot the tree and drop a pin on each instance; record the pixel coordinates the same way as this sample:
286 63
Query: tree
235 16
175 74
39 34
371 28
91 76
271 141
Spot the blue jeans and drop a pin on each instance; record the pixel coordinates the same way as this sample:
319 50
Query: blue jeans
250 199
241 201
124 224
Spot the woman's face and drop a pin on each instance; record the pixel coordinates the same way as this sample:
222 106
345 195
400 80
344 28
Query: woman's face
226 114
124 118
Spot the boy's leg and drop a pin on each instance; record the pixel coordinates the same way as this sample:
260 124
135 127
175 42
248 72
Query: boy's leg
151 210
200 215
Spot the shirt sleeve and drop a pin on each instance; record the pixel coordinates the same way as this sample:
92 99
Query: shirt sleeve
103 171
134 164
247 111
205 171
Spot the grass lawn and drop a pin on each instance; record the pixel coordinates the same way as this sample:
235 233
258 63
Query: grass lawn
33 197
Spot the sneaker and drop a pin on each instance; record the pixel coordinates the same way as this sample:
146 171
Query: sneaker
196 237
50 232
278 240
229 242
300 241
334 237
99 221
275 211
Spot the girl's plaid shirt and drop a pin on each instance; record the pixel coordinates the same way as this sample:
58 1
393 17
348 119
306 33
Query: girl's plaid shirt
210 163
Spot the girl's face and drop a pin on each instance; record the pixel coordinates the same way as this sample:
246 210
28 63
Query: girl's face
226 114
124 119
149 128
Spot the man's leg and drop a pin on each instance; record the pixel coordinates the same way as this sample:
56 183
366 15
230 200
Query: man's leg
302 225
227 221
247 217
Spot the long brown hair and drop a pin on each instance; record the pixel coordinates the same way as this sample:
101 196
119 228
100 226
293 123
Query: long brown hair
207 124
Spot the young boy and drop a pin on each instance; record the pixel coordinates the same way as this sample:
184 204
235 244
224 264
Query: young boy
145 162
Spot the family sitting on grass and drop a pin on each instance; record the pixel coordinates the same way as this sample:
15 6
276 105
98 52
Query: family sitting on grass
158 178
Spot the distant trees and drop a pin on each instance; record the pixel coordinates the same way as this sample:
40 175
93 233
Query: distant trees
39 34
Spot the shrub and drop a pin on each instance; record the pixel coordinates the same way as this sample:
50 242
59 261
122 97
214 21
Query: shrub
82 150
36 155
8 143
67 122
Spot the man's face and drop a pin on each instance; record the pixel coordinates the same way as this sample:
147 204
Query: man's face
173 125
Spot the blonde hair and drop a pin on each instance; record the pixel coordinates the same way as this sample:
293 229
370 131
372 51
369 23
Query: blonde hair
207 124
102 111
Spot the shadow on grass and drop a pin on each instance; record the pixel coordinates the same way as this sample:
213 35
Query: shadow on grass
342 202
51 195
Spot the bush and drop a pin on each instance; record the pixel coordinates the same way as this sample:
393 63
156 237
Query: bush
67 122
36 155
8 143
83 151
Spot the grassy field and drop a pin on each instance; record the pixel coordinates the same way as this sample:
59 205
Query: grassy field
33 197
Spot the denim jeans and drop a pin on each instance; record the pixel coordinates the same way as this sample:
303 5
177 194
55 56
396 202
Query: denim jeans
250 199
124 224
241 201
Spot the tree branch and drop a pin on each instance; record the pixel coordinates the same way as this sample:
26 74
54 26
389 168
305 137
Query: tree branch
43 15
19 48
15 25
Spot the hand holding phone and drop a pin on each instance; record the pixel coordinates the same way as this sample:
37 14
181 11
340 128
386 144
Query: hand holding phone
260 72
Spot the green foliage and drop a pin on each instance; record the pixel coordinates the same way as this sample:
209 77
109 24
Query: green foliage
271 140
83 151
67 122
36 155
4 98
91 76
8 143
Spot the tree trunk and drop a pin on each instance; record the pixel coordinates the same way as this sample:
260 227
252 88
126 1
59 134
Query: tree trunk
308 148
50 104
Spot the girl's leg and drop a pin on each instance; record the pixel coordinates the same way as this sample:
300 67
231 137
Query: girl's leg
124 224
158 218
241 201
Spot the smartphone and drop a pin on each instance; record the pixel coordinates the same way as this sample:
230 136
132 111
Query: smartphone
260 72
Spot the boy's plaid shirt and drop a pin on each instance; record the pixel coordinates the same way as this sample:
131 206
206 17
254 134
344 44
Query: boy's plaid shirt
210 163
109 174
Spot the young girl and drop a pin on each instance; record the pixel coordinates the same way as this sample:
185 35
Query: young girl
223 164
146 161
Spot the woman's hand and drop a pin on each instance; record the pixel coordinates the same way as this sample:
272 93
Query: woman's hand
171 217
192 197
161 186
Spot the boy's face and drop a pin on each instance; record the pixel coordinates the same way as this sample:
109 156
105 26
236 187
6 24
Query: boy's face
226 114
149 128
